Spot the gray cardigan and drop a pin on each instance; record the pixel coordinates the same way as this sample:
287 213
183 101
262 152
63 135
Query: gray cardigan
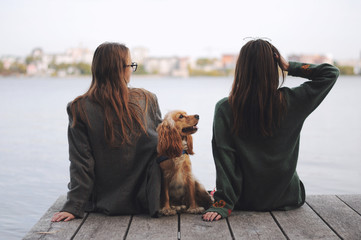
114 181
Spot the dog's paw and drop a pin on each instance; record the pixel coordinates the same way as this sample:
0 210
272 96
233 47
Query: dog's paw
168 212
180 209
195 210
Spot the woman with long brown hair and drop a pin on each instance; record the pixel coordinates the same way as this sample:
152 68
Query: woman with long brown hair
256 131
112 142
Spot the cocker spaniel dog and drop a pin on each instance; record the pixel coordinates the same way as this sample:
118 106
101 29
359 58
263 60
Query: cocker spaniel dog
181 192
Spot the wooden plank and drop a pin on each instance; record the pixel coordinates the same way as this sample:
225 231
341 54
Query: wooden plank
45 229
324 217
342 219
100 226
303 223
193 227
354 201
145 227
254 225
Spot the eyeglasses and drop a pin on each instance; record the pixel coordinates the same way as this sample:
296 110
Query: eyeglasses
134 65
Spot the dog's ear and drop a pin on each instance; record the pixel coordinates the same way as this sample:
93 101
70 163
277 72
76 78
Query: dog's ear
190 144
169 141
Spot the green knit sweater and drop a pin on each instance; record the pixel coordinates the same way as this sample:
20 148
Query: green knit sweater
259 173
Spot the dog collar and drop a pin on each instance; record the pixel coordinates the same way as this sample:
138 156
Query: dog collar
164 158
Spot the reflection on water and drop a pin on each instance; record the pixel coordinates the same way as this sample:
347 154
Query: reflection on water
33 145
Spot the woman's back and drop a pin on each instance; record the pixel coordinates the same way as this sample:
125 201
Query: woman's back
257 172
121 172
112 142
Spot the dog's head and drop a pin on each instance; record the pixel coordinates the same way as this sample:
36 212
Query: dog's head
176 126
183 123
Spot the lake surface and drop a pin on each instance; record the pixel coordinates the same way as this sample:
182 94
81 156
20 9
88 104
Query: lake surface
34 153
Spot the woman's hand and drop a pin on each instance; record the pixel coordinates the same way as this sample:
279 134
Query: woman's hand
59 216
282 62
211 216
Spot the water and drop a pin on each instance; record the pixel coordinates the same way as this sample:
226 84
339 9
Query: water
33 144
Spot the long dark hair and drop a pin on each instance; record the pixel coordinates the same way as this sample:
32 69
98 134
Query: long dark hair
257 105
122 115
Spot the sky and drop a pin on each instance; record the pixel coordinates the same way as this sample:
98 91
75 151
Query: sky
184 28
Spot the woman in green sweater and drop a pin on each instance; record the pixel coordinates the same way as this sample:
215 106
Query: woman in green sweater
256 131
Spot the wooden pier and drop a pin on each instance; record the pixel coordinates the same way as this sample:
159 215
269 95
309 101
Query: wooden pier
322 217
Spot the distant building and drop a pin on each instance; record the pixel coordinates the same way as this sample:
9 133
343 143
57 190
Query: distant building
315 59
167 66
355 64
75 55
38 62
8 61
229 61
181 68
207 64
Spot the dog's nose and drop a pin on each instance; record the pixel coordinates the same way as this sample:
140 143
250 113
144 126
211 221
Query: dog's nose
196 116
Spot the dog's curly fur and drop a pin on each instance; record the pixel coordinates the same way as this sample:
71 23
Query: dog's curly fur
181 192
